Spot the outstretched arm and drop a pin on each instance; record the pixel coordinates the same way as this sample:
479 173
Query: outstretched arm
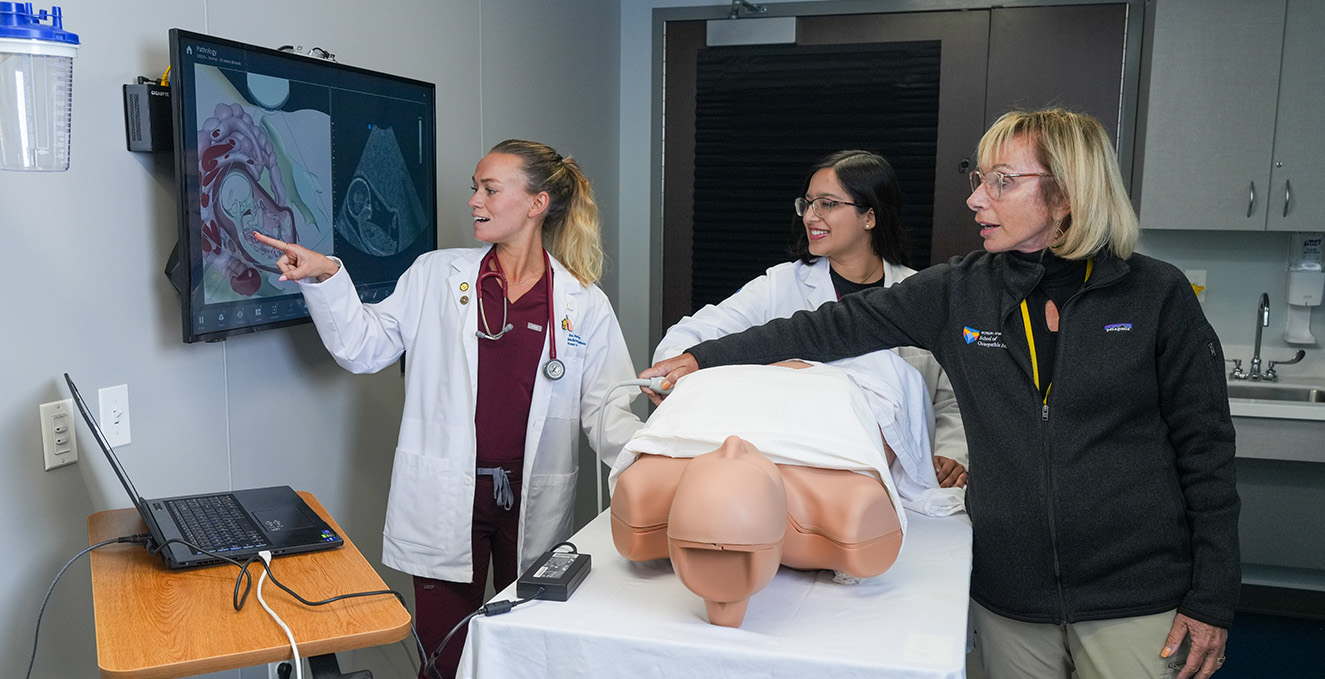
298 262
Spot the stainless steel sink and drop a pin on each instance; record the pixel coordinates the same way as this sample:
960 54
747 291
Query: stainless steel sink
1292 394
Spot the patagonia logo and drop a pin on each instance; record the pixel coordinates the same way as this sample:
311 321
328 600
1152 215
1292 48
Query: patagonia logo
575 340
1118 327
983 338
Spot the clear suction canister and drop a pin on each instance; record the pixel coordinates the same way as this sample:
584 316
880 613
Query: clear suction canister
36 88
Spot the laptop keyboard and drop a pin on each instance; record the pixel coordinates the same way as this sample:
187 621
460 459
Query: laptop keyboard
215 523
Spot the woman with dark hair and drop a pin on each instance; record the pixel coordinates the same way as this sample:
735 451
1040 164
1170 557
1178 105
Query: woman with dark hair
513 350
849 238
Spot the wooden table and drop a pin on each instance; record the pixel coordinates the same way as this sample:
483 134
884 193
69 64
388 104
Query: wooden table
157 623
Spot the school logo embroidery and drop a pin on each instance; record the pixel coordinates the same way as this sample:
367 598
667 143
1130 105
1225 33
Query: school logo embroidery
1118 327
983 338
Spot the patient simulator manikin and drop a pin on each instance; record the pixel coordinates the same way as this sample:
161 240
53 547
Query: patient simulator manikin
729 517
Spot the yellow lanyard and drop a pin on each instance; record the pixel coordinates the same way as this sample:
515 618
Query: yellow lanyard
1030 337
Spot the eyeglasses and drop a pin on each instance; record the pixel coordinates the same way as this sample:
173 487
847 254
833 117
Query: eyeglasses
996 182
822 206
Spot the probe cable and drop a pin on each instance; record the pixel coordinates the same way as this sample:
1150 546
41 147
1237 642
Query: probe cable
141 539
655 384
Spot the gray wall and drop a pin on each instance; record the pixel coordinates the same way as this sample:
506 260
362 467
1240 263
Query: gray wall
86 293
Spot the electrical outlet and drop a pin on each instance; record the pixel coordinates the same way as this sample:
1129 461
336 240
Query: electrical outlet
58 442
114 419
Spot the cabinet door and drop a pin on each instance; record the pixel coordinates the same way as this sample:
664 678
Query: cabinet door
1297 198
1210 113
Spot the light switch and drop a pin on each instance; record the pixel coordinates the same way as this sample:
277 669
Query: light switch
59 443
114 418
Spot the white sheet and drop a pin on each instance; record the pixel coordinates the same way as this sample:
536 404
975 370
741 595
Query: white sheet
638 620
822 416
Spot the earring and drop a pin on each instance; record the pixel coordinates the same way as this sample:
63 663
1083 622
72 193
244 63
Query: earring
869 226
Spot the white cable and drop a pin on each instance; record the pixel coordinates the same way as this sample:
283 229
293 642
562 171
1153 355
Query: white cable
655 384
298 666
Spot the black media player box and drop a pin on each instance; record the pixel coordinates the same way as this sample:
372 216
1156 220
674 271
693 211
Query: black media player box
147 117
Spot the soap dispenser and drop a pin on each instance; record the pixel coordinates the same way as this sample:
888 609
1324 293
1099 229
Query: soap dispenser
1306 283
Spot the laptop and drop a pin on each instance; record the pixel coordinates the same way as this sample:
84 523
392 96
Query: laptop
236 524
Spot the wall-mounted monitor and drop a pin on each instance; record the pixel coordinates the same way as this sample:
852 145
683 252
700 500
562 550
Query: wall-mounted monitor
338 159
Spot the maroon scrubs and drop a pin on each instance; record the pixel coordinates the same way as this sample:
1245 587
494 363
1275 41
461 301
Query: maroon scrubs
507 370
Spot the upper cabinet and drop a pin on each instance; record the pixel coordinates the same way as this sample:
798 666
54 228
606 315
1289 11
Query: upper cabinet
1297 175
1232 116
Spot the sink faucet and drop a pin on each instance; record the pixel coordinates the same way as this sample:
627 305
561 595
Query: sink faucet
1270 374
1262 321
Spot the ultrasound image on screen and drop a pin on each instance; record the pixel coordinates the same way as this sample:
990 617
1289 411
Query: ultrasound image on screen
380 213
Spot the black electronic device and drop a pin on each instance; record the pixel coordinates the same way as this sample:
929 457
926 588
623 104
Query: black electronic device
554 577
147 125
338 159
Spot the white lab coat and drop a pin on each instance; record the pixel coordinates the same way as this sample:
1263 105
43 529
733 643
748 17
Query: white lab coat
432 315
792 286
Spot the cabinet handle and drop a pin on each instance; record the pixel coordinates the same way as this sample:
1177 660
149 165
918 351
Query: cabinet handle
1251 199
1288 196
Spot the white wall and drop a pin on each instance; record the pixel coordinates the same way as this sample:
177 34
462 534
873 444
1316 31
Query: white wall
86 293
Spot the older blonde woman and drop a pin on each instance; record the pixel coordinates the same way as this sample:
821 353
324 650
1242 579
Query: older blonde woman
1103 500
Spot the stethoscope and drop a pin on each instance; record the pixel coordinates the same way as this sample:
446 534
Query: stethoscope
554 369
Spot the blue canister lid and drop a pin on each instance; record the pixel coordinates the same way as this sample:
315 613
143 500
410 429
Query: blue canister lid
19 21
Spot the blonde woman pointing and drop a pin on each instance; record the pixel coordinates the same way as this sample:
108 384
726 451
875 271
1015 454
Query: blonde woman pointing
512 351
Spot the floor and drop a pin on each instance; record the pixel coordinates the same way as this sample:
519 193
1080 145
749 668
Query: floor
1262 646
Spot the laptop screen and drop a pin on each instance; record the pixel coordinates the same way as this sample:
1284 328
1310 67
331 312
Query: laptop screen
106 449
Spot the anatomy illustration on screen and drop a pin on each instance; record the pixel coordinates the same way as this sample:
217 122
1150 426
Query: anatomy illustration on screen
261 169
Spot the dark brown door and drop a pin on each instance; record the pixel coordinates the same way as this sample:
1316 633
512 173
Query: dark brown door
991 61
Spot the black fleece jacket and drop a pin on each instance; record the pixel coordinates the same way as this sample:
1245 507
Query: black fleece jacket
1114 496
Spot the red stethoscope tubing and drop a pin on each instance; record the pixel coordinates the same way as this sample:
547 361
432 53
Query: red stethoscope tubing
554 368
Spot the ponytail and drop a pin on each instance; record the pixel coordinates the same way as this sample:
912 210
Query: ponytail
570 228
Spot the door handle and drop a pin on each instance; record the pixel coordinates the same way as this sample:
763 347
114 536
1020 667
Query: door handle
1288 196
1251 199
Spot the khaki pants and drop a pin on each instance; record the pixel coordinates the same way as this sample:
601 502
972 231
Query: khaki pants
1124 648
